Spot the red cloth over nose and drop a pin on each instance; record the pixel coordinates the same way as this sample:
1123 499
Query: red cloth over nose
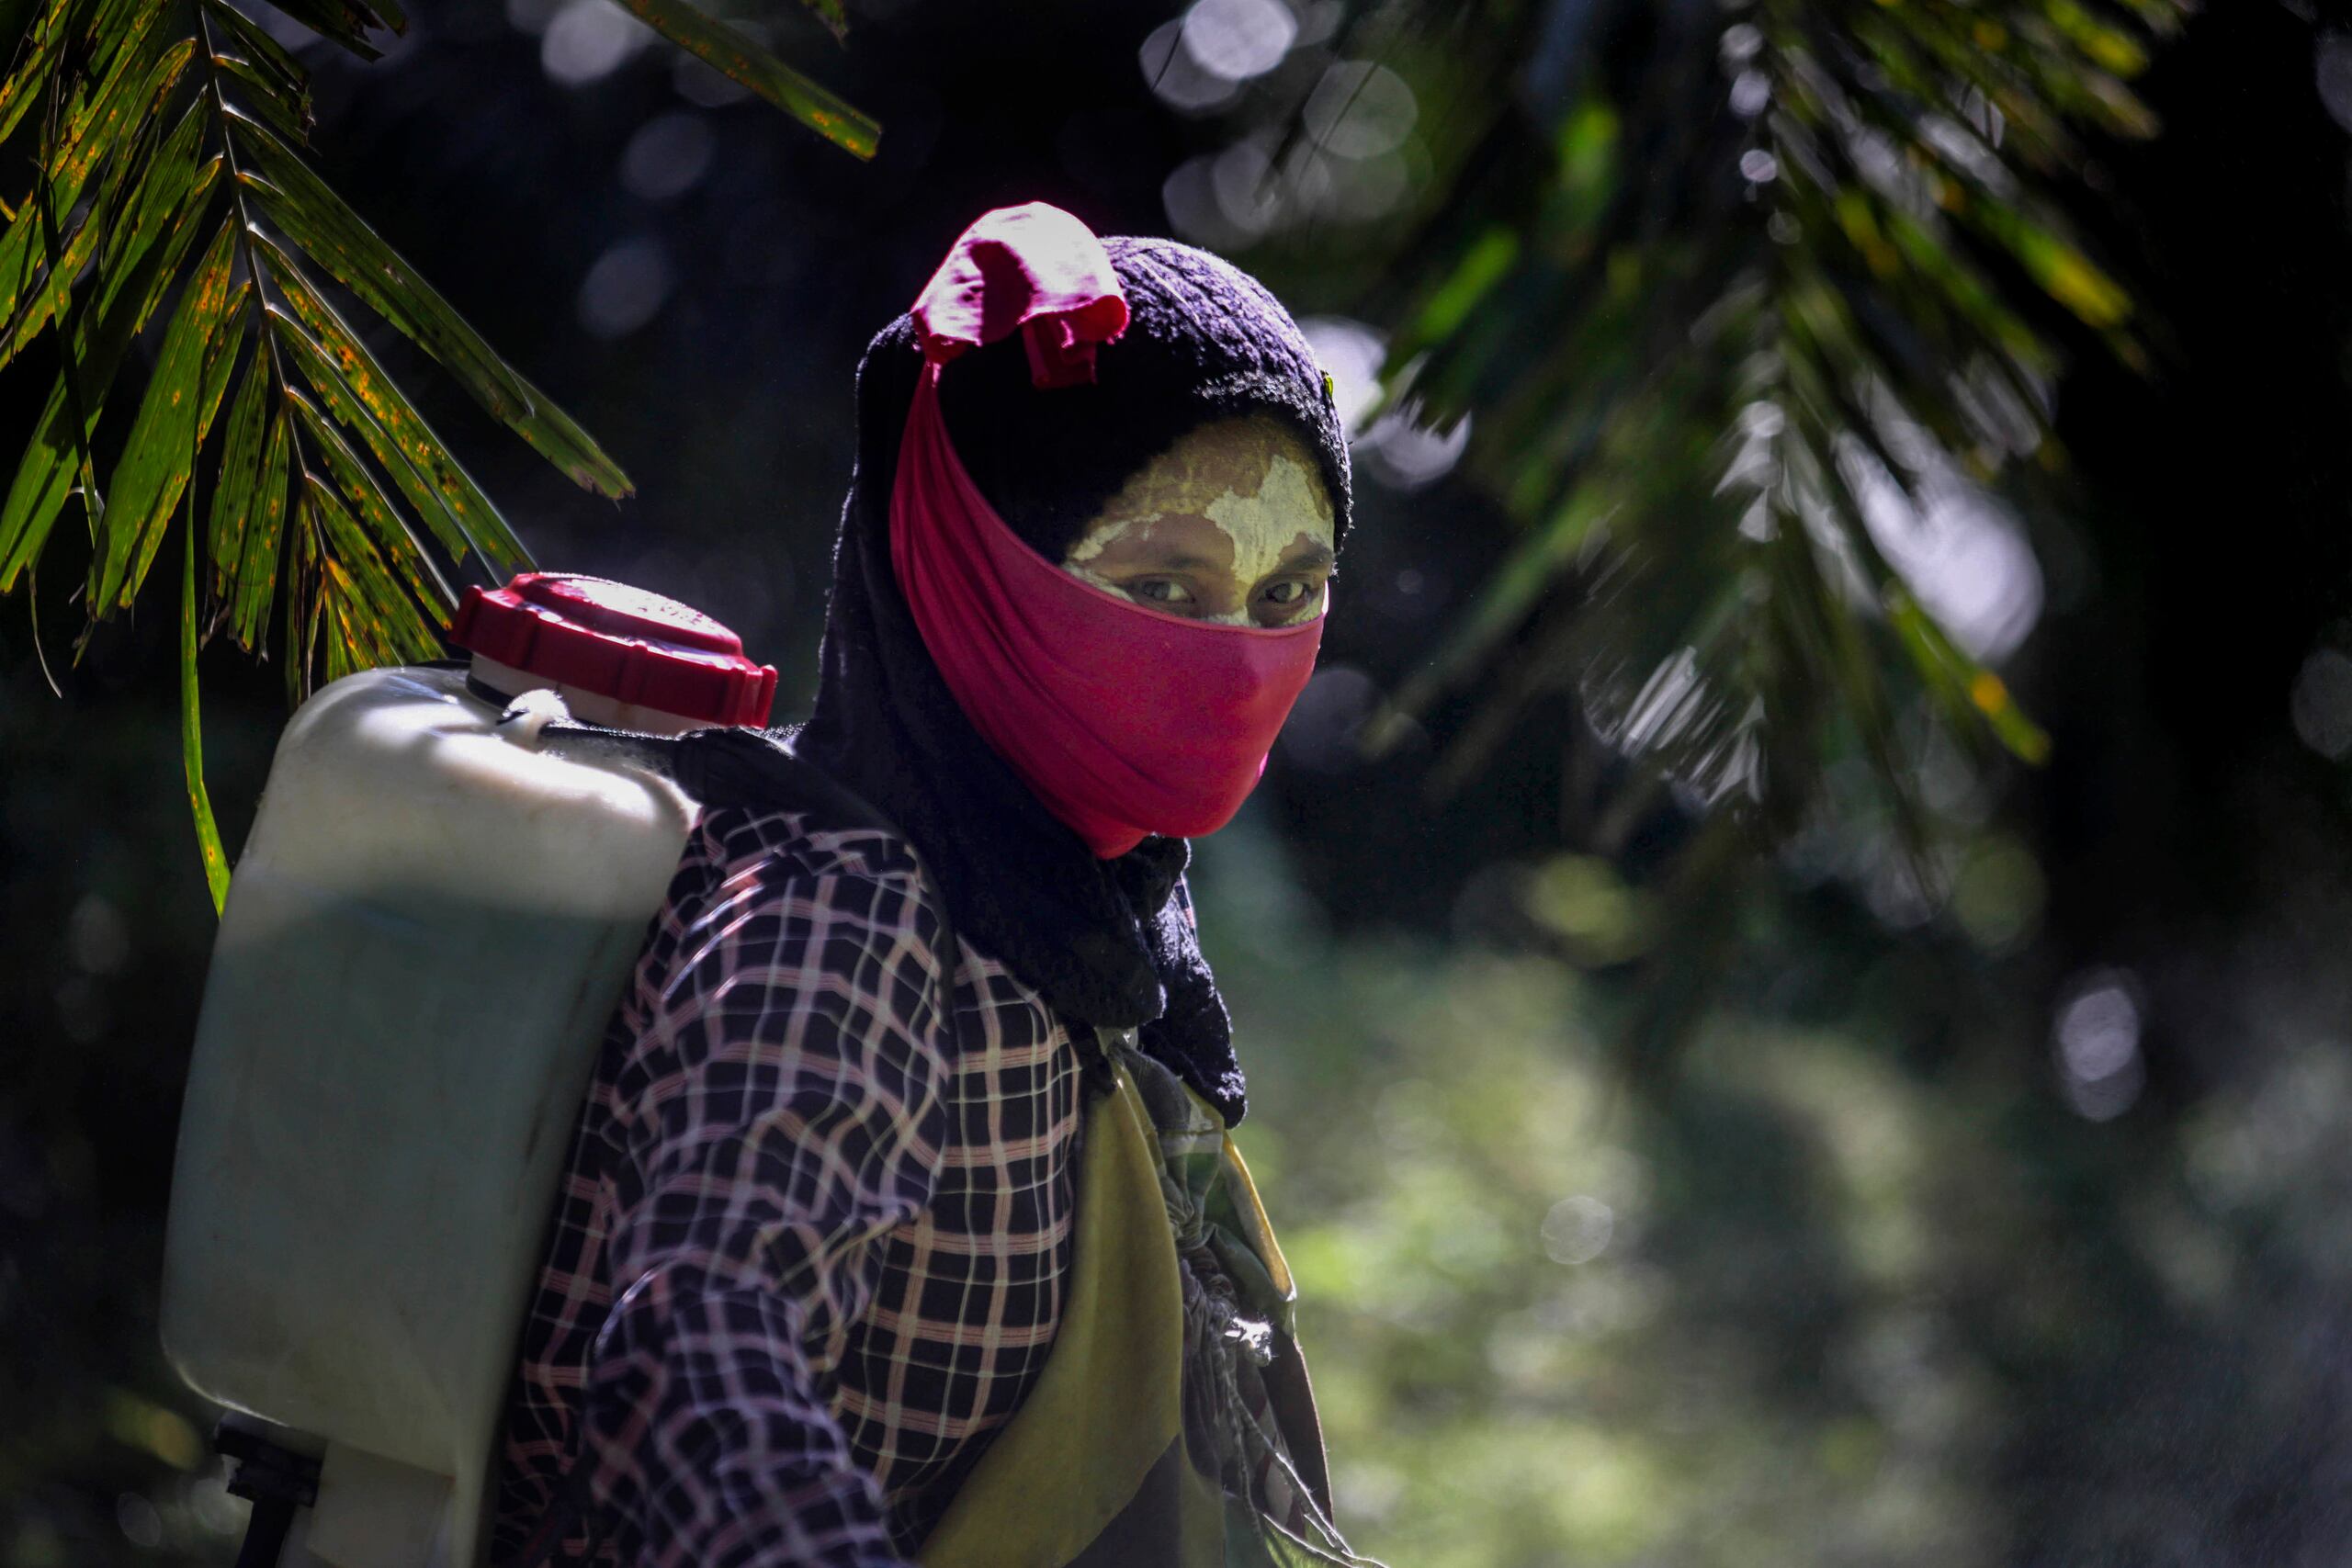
1123 720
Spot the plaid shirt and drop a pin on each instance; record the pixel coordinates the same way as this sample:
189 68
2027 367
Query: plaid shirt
807 1255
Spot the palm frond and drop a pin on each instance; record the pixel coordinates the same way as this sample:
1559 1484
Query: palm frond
1744 301
732 52
1735 296
165 150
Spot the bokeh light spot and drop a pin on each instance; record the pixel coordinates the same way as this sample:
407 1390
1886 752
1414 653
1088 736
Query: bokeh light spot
2321 704
140 1523
668 155
97 936
1352 353
1961 550
1359 110
1176 78
1238 39
2332 67
1999 893
1406 453
626 289
1751 92
2096 1040
1578 1229
588 40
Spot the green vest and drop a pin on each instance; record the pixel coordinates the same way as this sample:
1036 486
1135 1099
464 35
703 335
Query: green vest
1173 1426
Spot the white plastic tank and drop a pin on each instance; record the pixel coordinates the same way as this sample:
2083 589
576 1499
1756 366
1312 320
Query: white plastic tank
425 936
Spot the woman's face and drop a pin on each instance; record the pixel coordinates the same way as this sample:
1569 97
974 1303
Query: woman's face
1231 525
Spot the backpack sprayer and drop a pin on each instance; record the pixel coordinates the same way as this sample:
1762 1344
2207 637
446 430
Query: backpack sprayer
427 932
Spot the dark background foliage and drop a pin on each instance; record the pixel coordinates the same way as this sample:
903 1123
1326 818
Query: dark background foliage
1871 1267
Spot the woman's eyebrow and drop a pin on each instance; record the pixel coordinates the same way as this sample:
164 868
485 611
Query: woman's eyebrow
1312 553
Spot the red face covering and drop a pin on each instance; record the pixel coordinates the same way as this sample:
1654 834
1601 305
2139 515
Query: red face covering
1124 721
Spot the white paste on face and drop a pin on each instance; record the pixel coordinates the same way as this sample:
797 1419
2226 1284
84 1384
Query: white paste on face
1228 507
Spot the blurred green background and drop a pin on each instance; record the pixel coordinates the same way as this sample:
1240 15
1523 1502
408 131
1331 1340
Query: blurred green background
1729 1095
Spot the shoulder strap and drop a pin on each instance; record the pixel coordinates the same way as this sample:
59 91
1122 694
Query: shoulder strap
749 768
753 769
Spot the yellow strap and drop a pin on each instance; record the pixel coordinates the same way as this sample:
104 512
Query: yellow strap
1257 1230
1106 1407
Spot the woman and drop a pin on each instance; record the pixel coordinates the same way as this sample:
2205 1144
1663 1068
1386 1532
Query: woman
846 1271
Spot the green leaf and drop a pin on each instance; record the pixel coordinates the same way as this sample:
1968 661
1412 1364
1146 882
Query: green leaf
44 479
358 392
265 520
236 485
45 476
342 22
1962 685
290 112
1533 565
113 103
24 246
208 832
302 594
147 249
263 53
833 15
317 221
28 83
350 645
373 617
1484 263
728 50
147 481
148 183
358 486
220 357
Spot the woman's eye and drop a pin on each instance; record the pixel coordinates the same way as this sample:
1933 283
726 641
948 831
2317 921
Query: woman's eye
1160 591
1286 593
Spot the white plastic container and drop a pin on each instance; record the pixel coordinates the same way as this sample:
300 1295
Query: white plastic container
425 937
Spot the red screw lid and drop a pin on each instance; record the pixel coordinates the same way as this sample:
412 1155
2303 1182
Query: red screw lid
618 642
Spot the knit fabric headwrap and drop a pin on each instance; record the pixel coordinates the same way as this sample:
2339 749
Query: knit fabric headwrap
1102 941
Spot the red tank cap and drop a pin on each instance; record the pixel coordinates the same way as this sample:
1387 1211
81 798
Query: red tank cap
618 642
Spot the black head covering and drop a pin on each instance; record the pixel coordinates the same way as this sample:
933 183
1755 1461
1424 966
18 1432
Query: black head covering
1102 941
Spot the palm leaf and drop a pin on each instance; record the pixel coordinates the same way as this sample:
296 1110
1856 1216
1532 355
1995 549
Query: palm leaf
1873 241
358 486
333 506
331 234
346 23
834 15
45 474
147 481
208 832
358 392
263 521
729 52
237 484
277 72
138 193
1724 298
49 36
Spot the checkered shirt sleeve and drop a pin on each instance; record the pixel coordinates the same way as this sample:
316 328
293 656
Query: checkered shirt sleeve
777 1106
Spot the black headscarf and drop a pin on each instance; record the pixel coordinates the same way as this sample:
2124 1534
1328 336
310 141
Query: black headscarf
1102 941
